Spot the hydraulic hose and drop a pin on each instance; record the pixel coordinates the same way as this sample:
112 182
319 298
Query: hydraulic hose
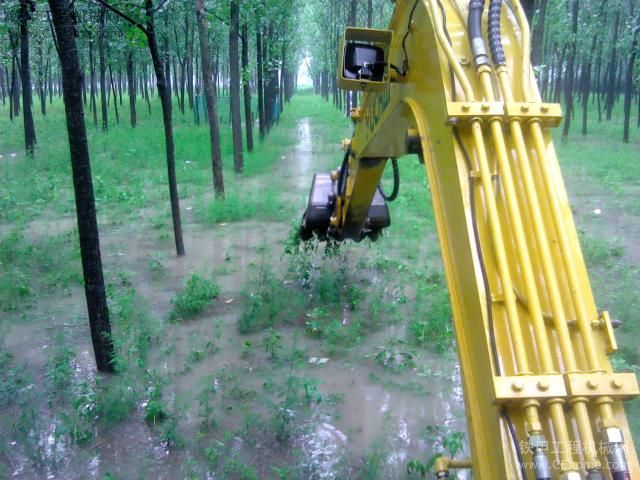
495 37
396 183
474 25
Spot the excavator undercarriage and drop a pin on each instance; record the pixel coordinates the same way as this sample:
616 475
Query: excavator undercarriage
541 397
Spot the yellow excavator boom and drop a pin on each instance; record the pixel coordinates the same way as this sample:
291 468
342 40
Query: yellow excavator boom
542 400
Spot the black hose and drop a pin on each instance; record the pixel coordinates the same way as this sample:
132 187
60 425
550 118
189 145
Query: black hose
344 172
516 444
495 37
396 183
474 25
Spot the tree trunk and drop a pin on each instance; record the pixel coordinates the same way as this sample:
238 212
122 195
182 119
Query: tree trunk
164 92
234 74
98 312
115 95
190 68
369 13
538 34
26 8
210 95
568 86
131 83
92 79
628 87
260 85
103 70
611 82
248 116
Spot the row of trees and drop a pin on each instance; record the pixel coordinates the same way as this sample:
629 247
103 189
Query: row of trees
585 52
244 47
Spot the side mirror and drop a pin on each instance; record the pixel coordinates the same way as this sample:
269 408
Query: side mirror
364 64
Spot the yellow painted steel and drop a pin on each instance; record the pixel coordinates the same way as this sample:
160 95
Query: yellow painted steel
515 271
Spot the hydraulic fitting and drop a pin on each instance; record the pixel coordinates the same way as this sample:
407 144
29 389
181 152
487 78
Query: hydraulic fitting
613 442
541 466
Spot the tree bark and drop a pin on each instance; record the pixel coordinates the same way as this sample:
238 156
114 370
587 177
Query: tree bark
248 116
131 83
568 86
628 87
92 78
103 70
210 95
26 8
260 79
234 73
611 68
98 312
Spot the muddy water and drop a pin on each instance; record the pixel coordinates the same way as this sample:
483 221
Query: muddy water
352 418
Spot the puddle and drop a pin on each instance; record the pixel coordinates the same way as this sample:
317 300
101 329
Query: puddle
340 415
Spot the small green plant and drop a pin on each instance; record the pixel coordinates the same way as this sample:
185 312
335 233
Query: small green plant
155 409
191 301
393 356
272 343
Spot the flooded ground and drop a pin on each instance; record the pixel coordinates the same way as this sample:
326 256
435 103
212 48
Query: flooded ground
198 399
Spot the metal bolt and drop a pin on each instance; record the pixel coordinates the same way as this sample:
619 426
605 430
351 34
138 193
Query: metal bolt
518 386
544 108
466 107
485 107
617 383
543 385
593 383
524 108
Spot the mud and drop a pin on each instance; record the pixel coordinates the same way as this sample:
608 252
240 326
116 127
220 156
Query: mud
356 415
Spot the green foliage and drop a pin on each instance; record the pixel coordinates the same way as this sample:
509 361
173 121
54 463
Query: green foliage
431 321
192 300
12 380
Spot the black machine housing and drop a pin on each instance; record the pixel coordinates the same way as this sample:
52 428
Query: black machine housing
322 200
363 62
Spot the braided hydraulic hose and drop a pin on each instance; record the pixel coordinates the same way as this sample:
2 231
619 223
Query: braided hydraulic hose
495 37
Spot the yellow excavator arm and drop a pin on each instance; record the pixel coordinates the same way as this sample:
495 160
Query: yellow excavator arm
541 397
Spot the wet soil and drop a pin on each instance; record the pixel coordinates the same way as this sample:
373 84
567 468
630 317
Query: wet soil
351 414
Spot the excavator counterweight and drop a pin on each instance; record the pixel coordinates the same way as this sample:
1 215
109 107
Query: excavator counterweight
541 397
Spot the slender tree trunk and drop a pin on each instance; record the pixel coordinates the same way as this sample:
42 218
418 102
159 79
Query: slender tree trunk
628 87
568 87
538 34
611 82
210 95
103 70
246 76
369 13
190 68
3 87
26 8
98 312
93 83
164 93
15 87
260 84
115 95
131 83
236 126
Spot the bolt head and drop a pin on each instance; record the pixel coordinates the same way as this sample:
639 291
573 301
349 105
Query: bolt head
544 108
617 383
517 386
524 108
485 107
593 384
543 385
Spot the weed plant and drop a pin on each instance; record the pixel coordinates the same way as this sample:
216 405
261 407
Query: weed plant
192 300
